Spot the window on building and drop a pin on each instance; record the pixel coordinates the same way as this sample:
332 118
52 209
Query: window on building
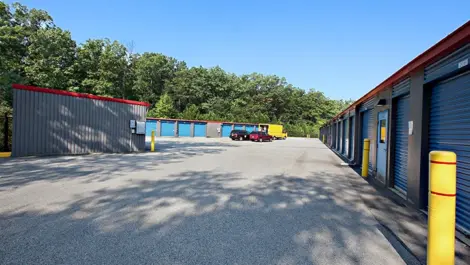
383 131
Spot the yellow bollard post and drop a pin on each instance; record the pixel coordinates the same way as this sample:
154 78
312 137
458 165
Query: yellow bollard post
323 138
152 142
365 158
441 218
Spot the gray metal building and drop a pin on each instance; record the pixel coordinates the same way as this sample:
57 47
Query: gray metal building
57 122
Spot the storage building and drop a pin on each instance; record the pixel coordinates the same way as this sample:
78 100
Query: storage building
57 122
424 106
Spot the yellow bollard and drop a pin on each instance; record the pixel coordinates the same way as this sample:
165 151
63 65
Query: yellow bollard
323 138
152 142
441 218
365 158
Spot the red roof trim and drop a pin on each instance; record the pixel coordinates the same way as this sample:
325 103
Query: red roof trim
444 47
208 121
77 95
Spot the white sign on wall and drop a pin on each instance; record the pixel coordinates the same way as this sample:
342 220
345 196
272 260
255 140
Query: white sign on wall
463 63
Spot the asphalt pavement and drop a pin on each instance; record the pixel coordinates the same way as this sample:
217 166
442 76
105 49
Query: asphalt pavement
195 201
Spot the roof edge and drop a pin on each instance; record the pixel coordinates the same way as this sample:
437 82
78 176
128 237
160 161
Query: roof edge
77 95
442 48
202 121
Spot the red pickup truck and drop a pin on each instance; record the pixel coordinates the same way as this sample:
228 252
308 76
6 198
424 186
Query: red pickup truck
260 137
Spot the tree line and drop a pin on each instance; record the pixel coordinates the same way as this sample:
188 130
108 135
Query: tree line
35 51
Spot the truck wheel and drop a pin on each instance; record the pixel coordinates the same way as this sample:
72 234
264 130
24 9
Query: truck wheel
241 138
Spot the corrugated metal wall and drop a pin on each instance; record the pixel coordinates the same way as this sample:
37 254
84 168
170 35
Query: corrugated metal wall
369 104
449 64
402 88
212 129
51 124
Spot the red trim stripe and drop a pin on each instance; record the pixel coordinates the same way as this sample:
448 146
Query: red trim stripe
77 95
443 162
443 194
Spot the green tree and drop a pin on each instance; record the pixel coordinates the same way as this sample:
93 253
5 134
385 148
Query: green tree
164 108
51 56
152 73
33 50
190 113
17 24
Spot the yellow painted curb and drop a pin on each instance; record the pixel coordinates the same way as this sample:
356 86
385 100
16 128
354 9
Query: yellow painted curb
5 154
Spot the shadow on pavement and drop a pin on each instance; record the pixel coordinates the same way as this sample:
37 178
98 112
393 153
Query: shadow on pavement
201 217
16 172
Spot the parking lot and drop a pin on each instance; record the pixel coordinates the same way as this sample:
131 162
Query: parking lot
194 201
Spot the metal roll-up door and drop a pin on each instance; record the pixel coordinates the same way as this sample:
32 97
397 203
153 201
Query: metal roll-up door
351 137
250 128
168 128
150 125
200 129
372 126
337 136
364 130
333 135
344 148
449 127
400 163
184 129
340 136
226 129
238 127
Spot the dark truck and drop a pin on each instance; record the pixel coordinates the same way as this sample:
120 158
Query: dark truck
240 135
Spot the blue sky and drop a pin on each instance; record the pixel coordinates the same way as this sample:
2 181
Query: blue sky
343 48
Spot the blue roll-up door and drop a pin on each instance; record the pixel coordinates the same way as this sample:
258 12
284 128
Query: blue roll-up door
168 128
250 128
238 127
400 163
150 125
365 117
184 129
200 129
351 137
226 129
449 127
